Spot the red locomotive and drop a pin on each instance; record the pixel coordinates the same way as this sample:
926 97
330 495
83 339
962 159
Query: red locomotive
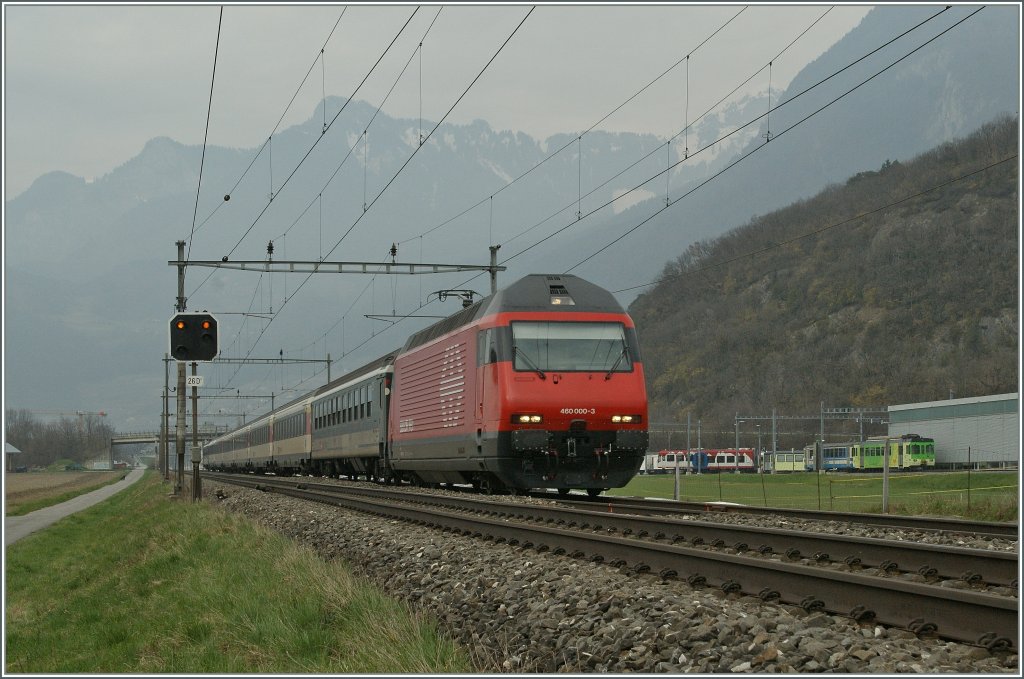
539 385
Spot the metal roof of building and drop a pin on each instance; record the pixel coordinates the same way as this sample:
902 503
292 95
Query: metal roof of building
956 402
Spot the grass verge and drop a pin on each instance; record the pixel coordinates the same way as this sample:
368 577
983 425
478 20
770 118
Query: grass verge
142 584
16 509
981 496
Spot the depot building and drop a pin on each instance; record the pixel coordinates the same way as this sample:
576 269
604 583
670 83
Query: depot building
980 432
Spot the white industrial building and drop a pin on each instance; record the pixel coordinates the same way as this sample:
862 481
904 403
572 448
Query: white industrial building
982 432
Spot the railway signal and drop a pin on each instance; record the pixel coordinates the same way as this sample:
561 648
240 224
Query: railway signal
193 337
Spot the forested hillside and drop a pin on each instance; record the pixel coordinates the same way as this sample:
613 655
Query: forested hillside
881 291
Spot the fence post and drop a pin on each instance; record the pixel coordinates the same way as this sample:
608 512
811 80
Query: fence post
885 477
968 478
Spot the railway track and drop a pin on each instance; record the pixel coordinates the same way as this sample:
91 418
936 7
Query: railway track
671 548
990 529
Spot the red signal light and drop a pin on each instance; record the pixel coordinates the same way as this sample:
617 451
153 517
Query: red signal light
206 325
181 325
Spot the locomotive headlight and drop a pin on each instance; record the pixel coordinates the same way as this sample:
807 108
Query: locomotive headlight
625 419
527 419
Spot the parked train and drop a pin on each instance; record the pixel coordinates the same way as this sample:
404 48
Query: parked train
700 461
909 451
783 461
538 385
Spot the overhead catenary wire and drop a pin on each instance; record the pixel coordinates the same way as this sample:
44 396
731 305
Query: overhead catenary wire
279 120
318 139
685 130
787 47
310 150
338 169
589 129
858 217
815 232
209 108
796 124
259 151
353 147
688 125
806 90
391 181
422 305
790 100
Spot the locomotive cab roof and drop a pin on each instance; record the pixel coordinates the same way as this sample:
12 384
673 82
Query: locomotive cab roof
534 292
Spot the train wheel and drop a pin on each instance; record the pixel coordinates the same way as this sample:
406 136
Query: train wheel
562 492
594 492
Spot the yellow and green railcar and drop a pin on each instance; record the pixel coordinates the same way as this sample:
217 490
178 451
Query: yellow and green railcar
909 451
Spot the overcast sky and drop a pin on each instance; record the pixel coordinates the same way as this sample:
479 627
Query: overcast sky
86 86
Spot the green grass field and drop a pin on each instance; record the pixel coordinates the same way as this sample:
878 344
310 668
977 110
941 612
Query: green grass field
986 496
142 584
26 493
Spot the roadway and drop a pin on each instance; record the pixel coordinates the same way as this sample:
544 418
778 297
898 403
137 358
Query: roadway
17 527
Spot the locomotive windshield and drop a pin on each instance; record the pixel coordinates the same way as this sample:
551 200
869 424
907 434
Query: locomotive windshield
569 346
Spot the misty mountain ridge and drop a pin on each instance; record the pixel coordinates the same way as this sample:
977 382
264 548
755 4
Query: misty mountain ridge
901 305
951 87
83 253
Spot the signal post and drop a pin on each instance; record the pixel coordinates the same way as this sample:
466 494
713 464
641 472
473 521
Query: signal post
192 338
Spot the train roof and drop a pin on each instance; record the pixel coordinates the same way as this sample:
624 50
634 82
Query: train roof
534 292
371 367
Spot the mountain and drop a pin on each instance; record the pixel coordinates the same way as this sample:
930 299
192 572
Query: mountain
841 299
946 90
88 291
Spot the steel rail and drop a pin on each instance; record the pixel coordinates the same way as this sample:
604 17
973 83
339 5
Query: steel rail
964 616
970 565
928 523
975 566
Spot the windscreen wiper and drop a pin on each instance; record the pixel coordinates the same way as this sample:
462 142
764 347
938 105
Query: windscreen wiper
528 362
622 355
